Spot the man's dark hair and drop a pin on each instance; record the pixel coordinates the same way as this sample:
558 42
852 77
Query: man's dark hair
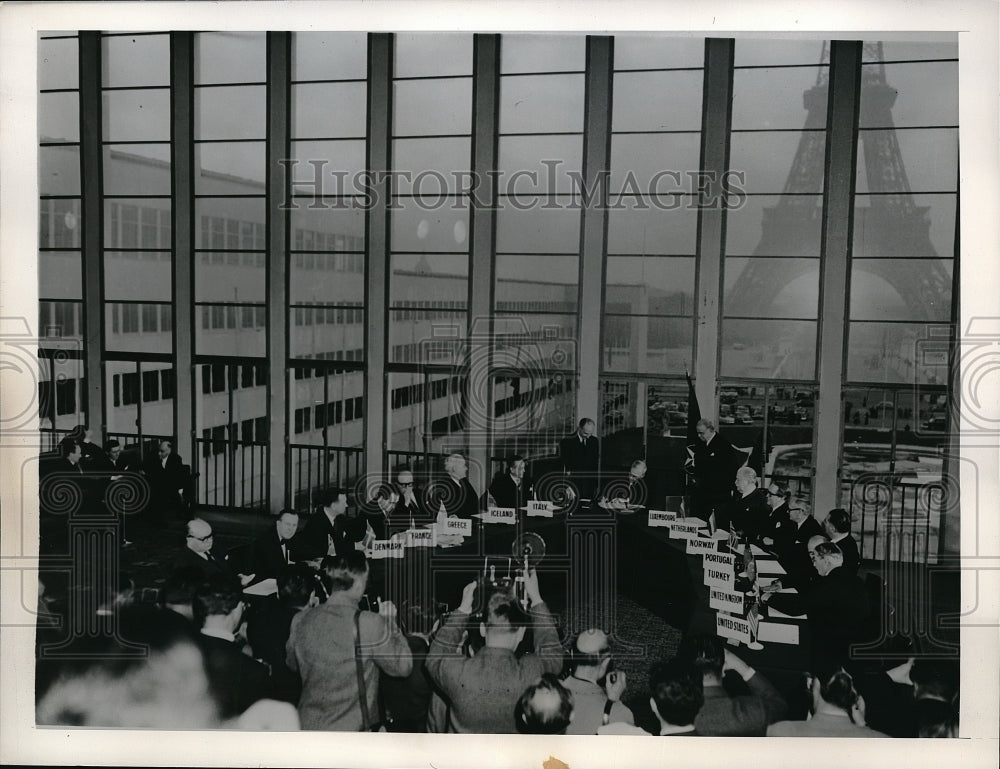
108 445
342 571
179 587
934 678
296 582
585 421
823 549
840 520
676 688
512 459
936 719
705 653
331 495
836 686
783 490
503 610
67 447
546 707
216 597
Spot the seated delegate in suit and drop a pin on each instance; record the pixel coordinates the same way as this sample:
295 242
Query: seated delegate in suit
510 488
626 492
715 464
453 491
748 510
580 456
408 504
197 554
778 523
316 538
837 526
272 550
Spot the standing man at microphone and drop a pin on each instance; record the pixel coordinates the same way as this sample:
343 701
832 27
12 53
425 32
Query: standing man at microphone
580 455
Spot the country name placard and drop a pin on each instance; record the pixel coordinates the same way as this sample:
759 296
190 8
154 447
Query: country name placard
419 538
661 518
681 530
461 526
725 600
721 560
720 577
539 508
386 548
500 515
700 546
728 626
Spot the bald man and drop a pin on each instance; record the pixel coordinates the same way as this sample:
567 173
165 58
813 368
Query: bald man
453 491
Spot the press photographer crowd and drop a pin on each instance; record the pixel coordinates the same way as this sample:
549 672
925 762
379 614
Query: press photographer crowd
298 629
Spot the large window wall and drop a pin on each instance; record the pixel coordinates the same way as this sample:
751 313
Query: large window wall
486 313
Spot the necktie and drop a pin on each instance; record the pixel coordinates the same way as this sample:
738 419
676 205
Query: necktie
284 551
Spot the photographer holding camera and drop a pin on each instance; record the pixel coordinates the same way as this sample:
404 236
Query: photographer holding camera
484 690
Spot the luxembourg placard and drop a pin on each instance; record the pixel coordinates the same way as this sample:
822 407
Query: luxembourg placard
661 518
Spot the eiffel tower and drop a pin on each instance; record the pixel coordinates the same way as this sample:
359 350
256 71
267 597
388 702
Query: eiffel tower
892 224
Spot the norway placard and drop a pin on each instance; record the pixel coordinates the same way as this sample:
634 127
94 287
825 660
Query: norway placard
728 626
700 546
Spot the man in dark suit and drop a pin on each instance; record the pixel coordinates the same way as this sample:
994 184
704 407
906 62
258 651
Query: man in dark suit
167 479
715 464
580 455
272 551
510 488
236 681
453 492
316 538
197 554
91 451
408 505
748 511
627 492
836 605
837 527
779 523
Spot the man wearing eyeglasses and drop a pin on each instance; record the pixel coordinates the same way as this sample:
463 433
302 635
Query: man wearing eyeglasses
197 553
777 496
408 504
596 687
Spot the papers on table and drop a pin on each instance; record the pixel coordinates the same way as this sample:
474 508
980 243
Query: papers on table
264 587
769 567
775 614
776 632
766 581
758 552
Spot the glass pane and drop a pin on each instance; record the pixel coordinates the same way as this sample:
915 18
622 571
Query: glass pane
329 110
547 225
230 113
649 285
335 166
776 50
137 169
230 168
913 46
62 325
659 164
619 423
885 352
904 225
543 103
137 327
432 107
542 53
638 51
549 283
133 61
901 289
229 277
58 61
327 279
431 167
429 280
779 98
769 349
657 101
230 330
135 275
927 158
59 117
418 226
532 413
426 336
422 54
789 449
409 396
921 95
540 343
59 170
230 57
60 275
220 222
59 223
771 288
765 225
539 164
646 344
766 161
122 400
327 224
330 333
136 223
643 228
158 388
137 116
329 55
